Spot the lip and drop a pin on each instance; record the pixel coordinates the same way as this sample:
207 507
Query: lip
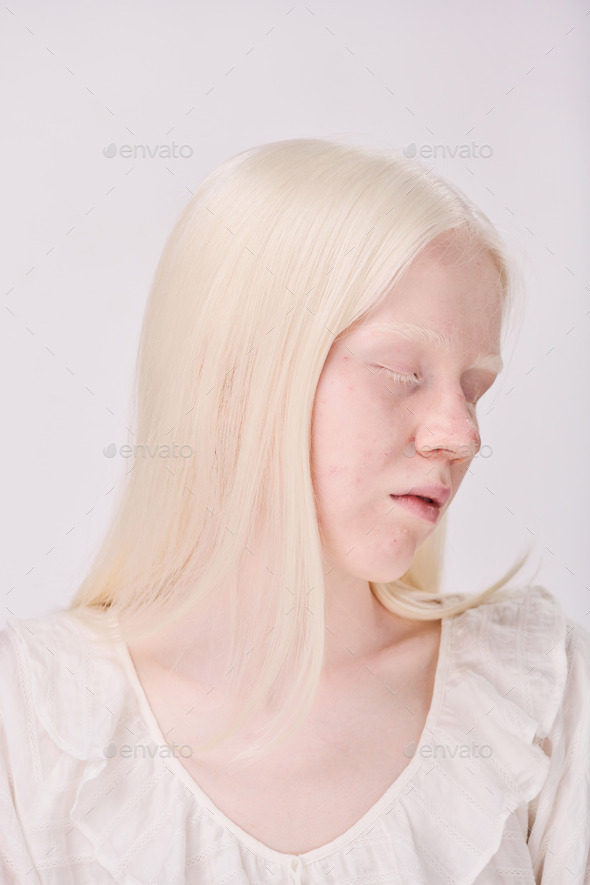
415 505
440 494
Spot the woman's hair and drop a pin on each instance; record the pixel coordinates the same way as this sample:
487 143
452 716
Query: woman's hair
282 249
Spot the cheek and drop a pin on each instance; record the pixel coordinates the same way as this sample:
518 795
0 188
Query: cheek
342 414
334 445
347 446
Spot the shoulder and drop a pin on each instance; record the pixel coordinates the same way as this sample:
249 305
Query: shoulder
528 623
26 647
45 644
512 672
522 608
73 803
57 676
54 681
540 661
522 642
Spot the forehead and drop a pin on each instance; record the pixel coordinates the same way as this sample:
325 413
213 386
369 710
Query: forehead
448 285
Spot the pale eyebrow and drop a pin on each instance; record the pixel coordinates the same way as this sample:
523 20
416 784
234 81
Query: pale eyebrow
424 335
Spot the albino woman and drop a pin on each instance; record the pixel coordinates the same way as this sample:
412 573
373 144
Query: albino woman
260 680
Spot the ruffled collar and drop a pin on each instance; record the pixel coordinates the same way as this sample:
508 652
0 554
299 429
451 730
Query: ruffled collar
499 681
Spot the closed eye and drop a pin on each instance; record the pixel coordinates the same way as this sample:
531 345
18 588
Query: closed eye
399 377
414 380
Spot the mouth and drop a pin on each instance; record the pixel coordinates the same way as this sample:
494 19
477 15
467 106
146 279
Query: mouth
421 506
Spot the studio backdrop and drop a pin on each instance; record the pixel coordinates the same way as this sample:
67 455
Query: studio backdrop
112 115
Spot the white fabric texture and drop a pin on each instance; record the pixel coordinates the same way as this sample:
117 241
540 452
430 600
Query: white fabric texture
513 675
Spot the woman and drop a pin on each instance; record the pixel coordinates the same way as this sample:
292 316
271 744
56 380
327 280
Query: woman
259 680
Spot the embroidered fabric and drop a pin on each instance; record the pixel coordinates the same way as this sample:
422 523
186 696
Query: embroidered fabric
513 676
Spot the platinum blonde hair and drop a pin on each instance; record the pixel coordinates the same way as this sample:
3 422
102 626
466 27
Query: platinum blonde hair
281 249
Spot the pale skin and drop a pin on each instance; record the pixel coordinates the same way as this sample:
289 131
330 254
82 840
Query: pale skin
376 686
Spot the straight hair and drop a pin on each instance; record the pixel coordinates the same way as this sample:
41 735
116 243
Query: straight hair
282 249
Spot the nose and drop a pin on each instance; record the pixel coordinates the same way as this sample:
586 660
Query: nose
447 424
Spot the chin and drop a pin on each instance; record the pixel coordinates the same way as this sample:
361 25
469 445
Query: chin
383 572
386 577
388 570
385 563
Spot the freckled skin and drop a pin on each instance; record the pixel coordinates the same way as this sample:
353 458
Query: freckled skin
365 424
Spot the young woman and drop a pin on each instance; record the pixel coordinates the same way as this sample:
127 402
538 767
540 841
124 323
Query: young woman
260 681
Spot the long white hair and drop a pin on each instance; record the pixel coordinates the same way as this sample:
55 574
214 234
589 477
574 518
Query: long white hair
281 249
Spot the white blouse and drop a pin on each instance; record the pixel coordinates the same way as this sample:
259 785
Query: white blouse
498 790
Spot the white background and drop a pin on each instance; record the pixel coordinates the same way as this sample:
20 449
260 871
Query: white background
82 233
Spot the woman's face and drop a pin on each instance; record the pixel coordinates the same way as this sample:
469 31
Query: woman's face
378 434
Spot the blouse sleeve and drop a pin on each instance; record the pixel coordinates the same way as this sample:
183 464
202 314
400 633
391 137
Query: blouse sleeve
16 865
559 816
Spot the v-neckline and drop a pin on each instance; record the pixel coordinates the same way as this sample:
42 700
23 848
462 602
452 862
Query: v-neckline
254 845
